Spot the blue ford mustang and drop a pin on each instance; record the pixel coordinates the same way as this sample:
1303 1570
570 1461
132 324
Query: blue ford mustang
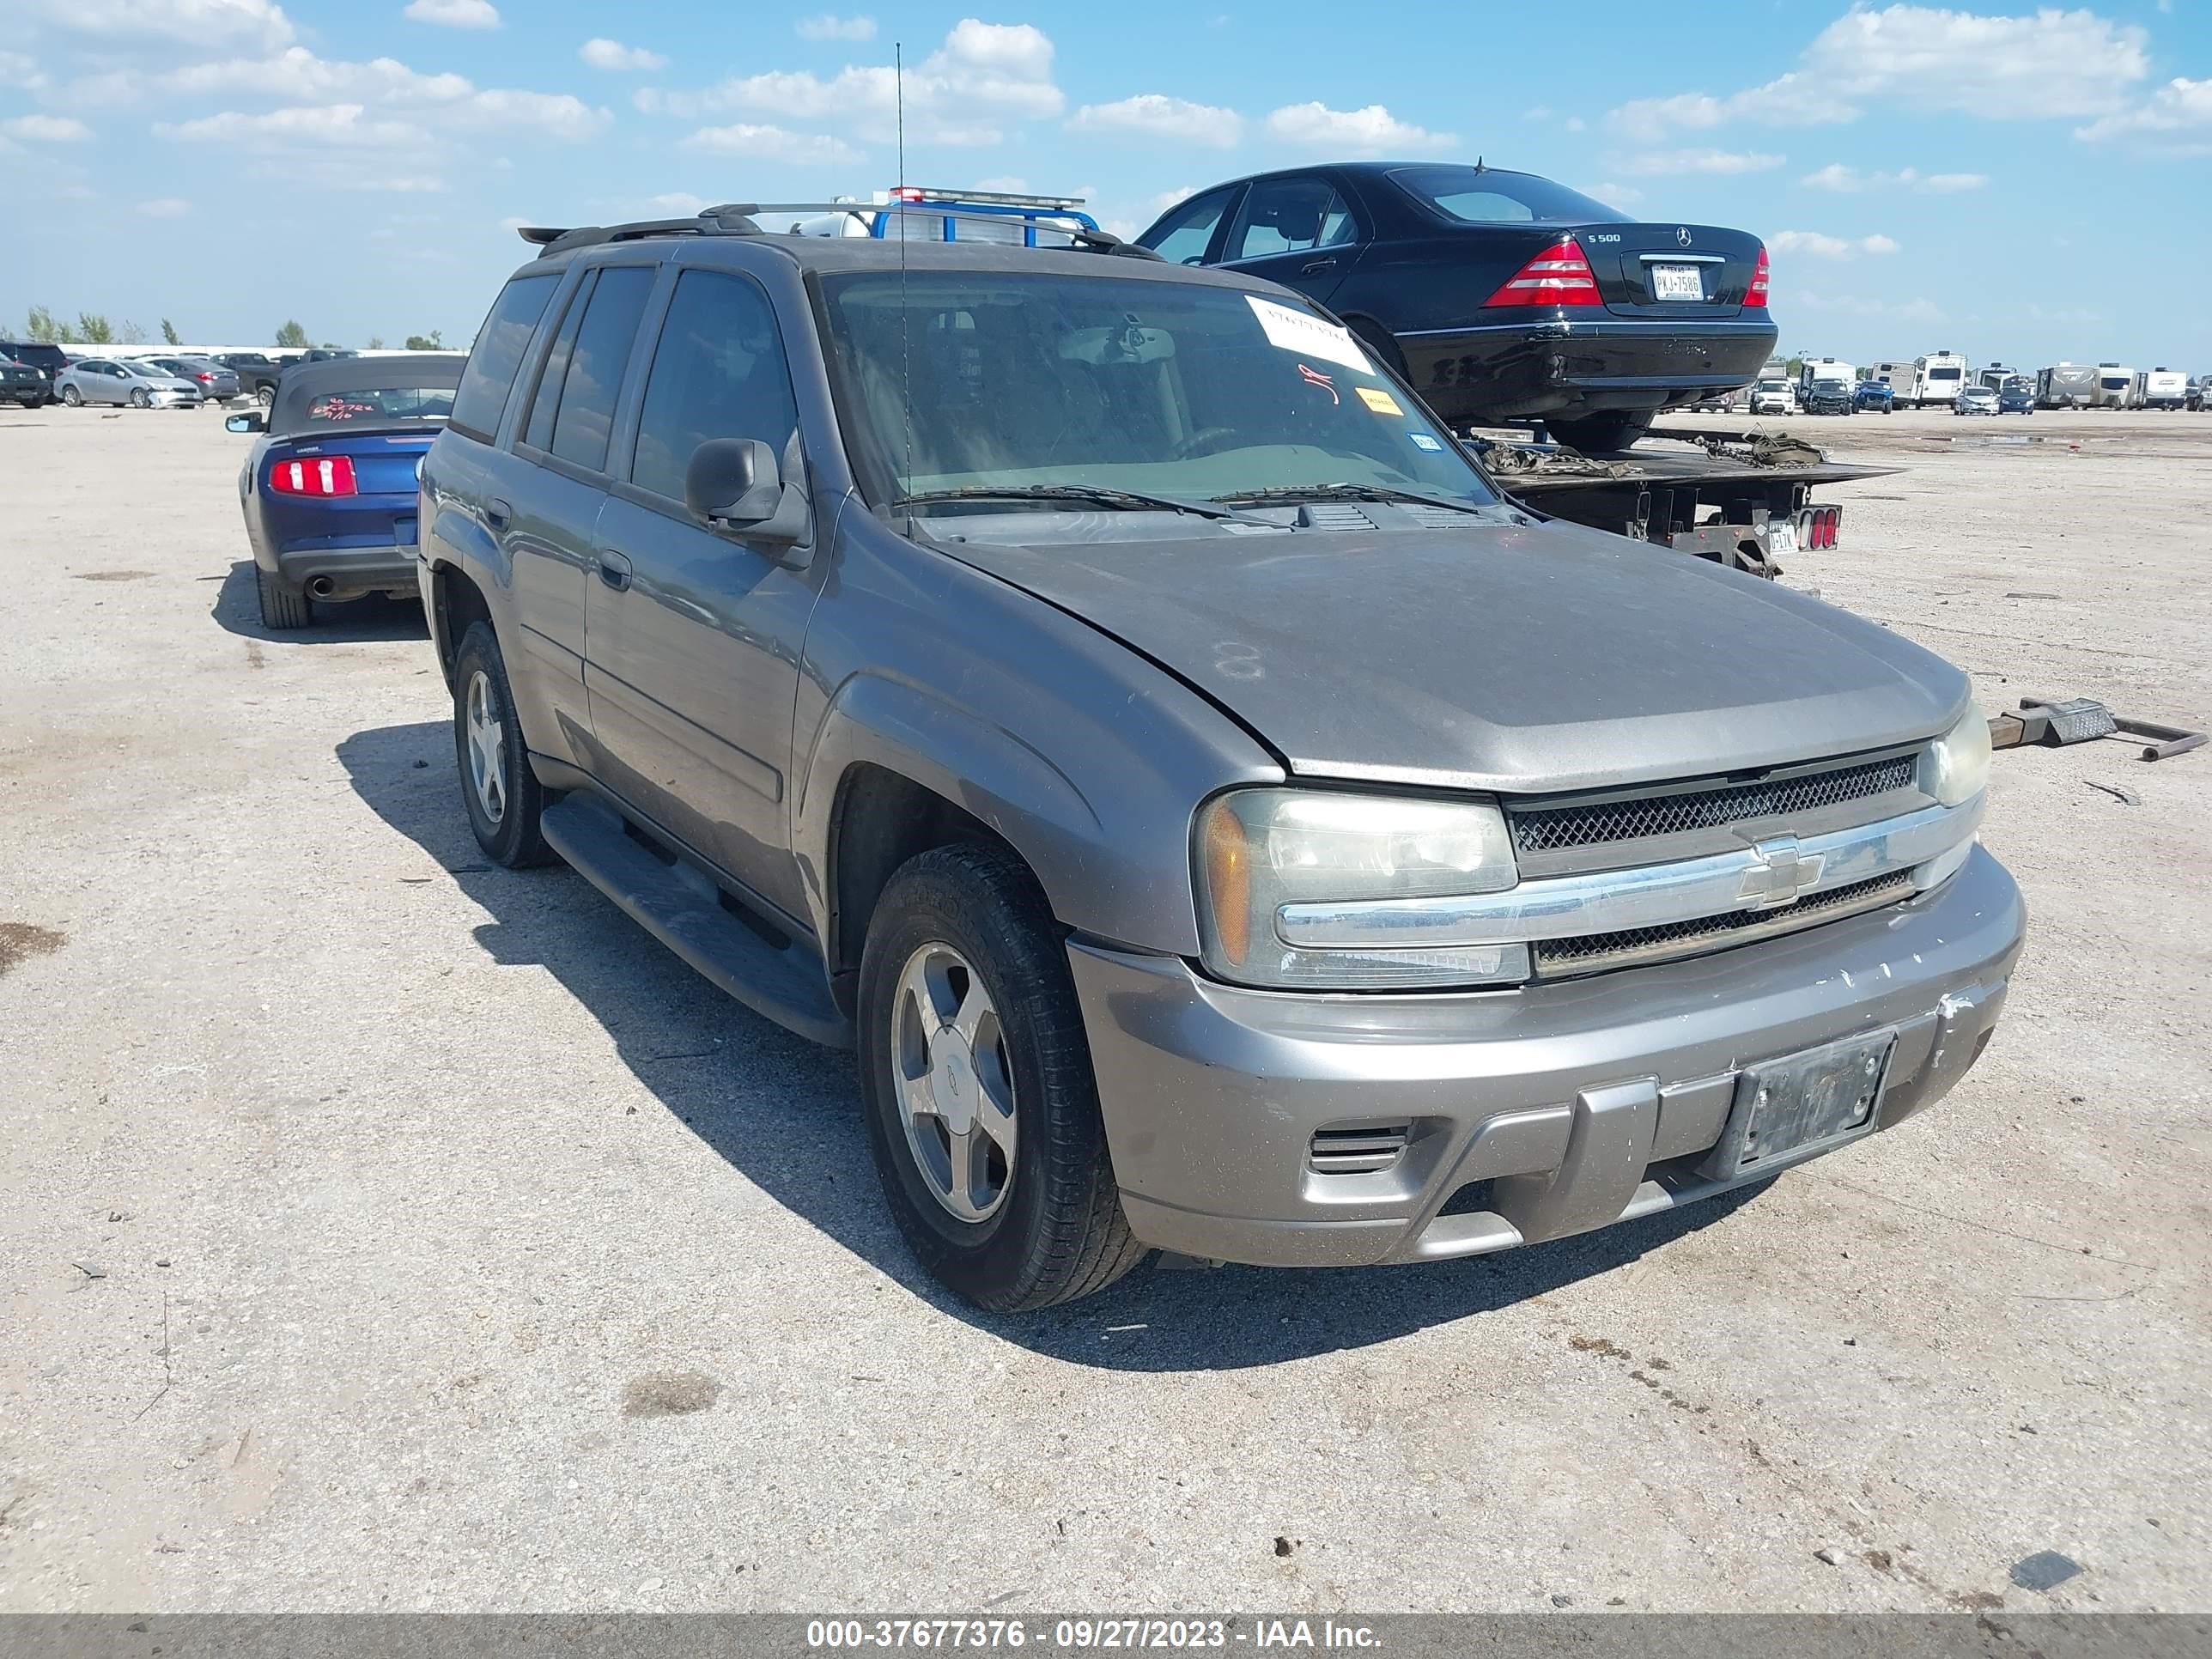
329 492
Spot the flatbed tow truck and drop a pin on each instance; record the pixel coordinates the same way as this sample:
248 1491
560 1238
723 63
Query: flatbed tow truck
1741 498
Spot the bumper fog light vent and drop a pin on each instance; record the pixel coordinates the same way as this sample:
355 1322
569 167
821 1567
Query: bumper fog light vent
1364 1149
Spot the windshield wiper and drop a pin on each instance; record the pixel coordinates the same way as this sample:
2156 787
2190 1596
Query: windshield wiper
1124 500
1349 492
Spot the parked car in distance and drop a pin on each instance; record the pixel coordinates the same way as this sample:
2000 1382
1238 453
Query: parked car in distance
329 491
1773 398
122 380
1976 400
1220 821
1829 396
1501 296
2016 398
48 360
21 384
258 373
217 382
1874 395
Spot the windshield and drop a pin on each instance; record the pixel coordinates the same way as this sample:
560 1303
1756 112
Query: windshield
1481 196
964 380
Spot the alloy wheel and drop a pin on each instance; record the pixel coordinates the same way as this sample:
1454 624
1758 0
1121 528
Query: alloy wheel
487 736
955 1085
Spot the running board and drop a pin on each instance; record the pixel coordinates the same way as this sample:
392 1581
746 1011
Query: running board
785 985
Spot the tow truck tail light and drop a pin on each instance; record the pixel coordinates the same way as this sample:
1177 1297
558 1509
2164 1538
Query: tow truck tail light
326 475
1756 294
1559 276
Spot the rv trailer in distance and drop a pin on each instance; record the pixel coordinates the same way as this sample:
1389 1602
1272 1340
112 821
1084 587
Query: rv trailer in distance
2162 388
1896 375
1936 378
2065 386
2115 389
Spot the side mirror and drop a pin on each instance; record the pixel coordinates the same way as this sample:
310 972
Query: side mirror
244 423
735 484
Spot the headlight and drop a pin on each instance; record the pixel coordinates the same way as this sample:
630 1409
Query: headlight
1956 766
1260 850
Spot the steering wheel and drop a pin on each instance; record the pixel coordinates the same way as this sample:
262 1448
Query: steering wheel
1204 441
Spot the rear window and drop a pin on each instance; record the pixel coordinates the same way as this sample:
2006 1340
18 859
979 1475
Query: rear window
500 345
382 403
1479 195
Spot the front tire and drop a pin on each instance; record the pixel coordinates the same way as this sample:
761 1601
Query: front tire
502 795
975 1075
139 400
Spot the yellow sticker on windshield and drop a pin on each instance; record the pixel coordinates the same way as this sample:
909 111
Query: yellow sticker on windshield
1380 402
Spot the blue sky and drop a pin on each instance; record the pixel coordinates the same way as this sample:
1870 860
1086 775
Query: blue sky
2022 186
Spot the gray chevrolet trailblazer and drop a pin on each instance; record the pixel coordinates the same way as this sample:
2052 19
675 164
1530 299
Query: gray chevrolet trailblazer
1098 692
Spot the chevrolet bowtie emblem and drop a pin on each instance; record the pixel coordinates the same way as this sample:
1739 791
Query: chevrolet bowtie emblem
1779 875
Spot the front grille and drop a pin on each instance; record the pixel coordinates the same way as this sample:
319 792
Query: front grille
1366 1149
1591 953
1639 817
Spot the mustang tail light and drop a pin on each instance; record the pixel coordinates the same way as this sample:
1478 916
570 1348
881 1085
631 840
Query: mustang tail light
1756 294
327 474
1559 276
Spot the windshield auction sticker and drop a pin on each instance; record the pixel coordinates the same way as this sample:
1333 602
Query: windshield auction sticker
1379 400
1307 335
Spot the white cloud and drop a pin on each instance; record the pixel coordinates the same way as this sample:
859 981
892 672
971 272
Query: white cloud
446 102
983 74
2052 63
1871 309
1850 180
605 54
165 207
19 70
1370 132
767 143
1153 115
455 14
47 129
1613 195
1168 198
345 126
209 23
2179 105
1723 162
676 204
829 26
1820 247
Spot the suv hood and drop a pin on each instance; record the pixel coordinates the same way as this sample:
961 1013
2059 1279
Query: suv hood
1520 657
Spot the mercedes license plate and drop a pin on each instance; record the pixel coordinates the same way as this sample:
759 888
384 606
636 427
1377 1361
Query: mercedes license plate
1823 1094
1677 282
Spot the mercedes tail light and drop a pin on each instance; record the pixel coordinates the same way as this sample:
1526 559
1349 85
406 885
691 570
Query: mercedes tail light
1559 276
1756 294
324 476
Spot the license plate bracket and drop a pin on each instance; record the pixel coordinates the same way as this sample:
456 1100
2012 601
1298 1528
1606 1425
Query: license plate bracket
1686 283
1804 1102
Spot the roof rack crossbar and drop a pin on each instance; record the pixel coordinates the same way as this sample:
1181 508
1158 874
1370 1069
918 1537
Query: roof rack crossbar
742 219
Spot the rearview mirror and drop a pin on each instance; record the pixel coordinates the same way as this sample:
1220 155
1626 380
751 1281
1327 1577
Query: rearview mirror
735 484
244 423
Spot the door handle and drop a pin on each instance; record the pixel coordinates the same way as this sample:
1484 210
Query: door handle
614 570
1313 266
498 514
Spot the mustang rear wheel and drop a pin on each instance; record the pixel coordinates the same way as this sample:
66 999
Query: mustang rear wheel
283 605
981 1108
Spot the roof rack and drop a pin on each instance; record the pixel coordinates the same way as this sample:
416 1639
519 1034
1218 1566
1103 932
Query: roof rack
741 219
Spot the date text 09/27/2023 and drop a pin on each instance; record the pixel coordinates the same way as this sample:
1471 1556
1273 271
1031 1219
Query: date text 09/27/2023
1088 1634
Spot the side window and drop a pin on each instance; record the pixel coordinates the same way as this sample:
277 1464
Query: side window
597 360
538 430
719 372
1289 215
500 345
1183 239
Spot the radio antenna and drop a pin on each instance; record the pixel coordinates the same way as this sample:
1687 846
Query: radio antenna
900 220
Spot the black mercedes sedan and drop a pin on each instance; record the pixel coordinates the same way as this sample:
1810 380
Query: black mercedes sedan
1503 296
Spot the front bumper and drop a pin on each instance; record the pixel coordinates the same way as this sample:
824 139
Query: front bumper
1578 1104
168 399
1569 367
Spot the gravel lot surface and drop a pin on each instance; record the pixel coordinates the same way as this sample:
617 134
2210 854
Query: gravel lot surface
383 1231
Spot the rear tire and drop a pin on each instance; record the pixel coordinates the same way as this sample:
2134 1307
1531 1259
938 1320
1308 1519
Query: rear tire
264 395
956 925
283 605
72 396
1601 435
502 795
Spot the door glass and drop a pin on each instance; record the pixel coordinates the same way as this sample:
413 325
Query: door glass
490 375
1289 215
719 372
595 363
1183 238
538 430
